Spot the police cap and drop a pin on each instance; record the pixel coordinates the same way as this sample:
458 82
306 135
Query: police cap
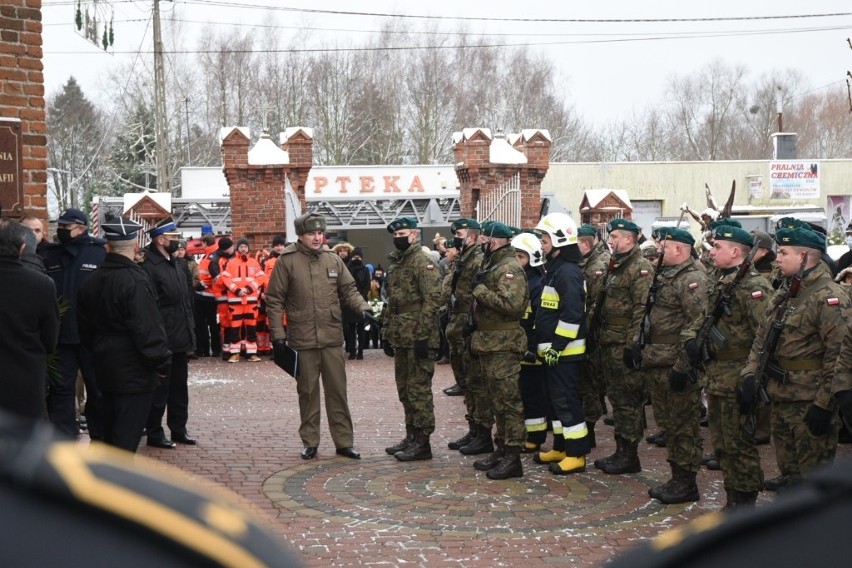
402 223
121 229
163 227
734 234
73 216
309 223
799 237
464 223
622 225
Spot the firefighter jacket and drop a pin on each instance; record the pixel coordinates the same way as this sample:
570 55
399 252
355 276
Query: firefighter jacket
560 321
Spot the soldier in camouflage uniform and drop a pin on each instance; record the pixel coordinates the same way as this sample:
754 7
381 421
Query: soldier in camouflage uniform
801 382
735 450
411 327
595 265
679 301
629 281
501 296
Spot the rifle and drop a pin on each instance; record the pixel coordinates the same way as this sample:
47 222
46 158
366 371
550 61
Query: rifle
765 365
596 318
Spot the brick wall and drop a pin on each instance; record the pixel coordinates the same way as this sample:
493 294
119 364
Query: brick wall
22 94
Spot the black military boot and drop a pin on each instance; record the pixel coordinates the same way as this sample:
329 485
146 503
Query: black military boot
508 466
466 439
419 449
658 439
402 444
481 443
624 460
739 499
491 461
681 489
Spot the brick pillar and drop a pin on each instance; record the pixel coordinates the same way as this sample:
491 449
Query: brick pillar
22 97
298 142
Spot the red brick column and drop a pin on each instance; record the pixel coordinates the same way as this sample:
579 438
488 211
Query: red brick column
299 143
22 96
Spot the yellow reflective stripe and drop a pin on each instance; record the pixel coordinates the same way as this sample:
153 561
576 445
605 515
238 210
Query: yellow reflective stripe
557 427
569 330
527 313
549 298
575 432
536 424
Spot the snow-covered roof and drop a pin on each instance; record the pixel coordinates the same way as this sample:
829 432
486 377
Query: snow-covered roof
225 130
528 133
595 196
163 199
457 137
511 138
501 152
289 132
267 153
469 133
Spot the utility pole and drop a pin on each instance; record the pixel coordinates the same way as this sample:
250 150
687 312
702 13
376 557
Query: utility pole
188 133
160 116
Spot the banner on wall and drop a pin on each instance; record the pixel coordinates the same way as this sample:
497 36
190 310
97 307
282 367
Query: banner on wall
794 179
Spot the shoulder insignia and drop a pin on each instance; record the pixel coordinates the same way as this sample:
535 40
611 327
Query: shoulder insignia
430 267
693 285
832 301
643 273
510 276
757 295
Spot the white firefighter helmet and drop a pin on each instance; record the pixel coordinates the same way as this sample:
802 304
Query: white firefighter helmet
530 244
561 228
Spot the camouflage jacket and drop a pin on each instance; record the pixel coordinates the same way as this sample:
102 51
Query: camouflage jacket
629 281
467 264
560 321
594 271
414 296
679 302
814 331
738 328
501 301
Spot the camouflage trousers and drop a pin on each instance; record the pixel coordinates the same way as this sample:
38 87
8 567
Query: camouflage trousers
797 451
477 398
735 450
625 389
501 370
462 365
656 390
591 386
414 387
682 413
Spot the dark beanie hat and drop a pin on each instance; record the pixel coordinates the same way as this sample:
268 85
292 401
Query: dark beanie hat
357 252
225 243
279 240
242 241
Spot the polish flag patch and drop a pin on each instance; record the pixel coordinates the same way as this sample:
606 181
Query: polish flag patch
598 272
510 276
757 294
643 273
832 301
430 267
693 285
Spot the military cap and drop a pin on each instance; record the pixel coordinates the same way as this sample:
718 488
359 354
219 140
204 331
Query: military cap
308 223
623 225
515 231
762 238
73 216
732 233
450 245
587 231
727 221
497 229
402 223
791 223
486 226
165 226
464 223
799 237
677 235
279 240
121 229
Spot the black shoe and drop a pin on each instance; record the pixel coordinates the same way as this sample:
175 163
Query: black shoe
184 439
351 356
163 442
454 390
309 453
348 452
360 356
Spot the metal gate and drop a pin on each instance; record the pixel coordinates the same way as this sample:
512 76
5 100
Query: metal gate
503 204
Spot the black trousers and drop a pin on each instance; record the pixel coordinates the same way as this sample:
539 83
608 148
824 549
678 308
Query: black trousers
172 394
124 418
207 336
61 403
567 405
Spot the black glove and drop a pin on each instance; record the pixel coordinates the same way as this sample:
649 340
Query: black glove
478 279
627 357
636 355
421 349
529 357
694 351
387 348
164 370
747 394
678 381
818 420
844 399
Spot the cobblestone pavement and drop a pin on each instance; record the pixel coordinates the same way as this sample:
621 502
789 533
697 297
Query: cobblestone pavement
380 512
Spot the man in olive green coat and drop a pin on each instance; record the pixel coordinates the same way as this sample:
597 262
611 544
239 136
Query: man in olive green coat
309 284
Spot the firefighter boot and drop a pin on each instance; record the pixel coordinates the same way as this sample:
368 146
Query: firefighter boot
508 466
481 443
491 461
571 464
624 460
682 489
552 456
419 449
466 439
404 443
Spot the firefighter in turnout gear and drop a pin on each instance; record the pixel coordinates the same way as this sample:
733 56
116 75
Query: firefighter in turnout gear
243 279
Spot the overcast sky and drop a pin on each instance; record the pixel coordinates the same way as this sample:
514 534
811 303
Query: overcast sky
609 67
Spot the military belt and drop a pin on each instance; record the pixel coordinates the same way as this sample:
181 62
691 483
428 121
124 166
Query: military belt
800 364
408 308
731 354
616 320
496 326
664 339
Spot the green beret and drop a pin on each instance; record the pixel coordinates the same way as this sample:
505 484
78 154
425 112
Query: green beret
587 231
308 223
792 223
678 235
727 221
535 232
402 223
733 233
497 229
798 237
464 224
515 230
622 225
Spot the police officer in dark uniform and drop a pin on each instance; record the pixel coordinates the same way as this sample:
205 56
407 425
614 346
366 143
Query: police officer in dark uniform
69 262
121 325
175 307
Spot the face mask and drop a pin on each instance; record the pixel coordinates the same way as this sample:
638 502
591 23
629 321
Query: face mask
64 235
171 247
458 242
401 243
486 248
356 262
